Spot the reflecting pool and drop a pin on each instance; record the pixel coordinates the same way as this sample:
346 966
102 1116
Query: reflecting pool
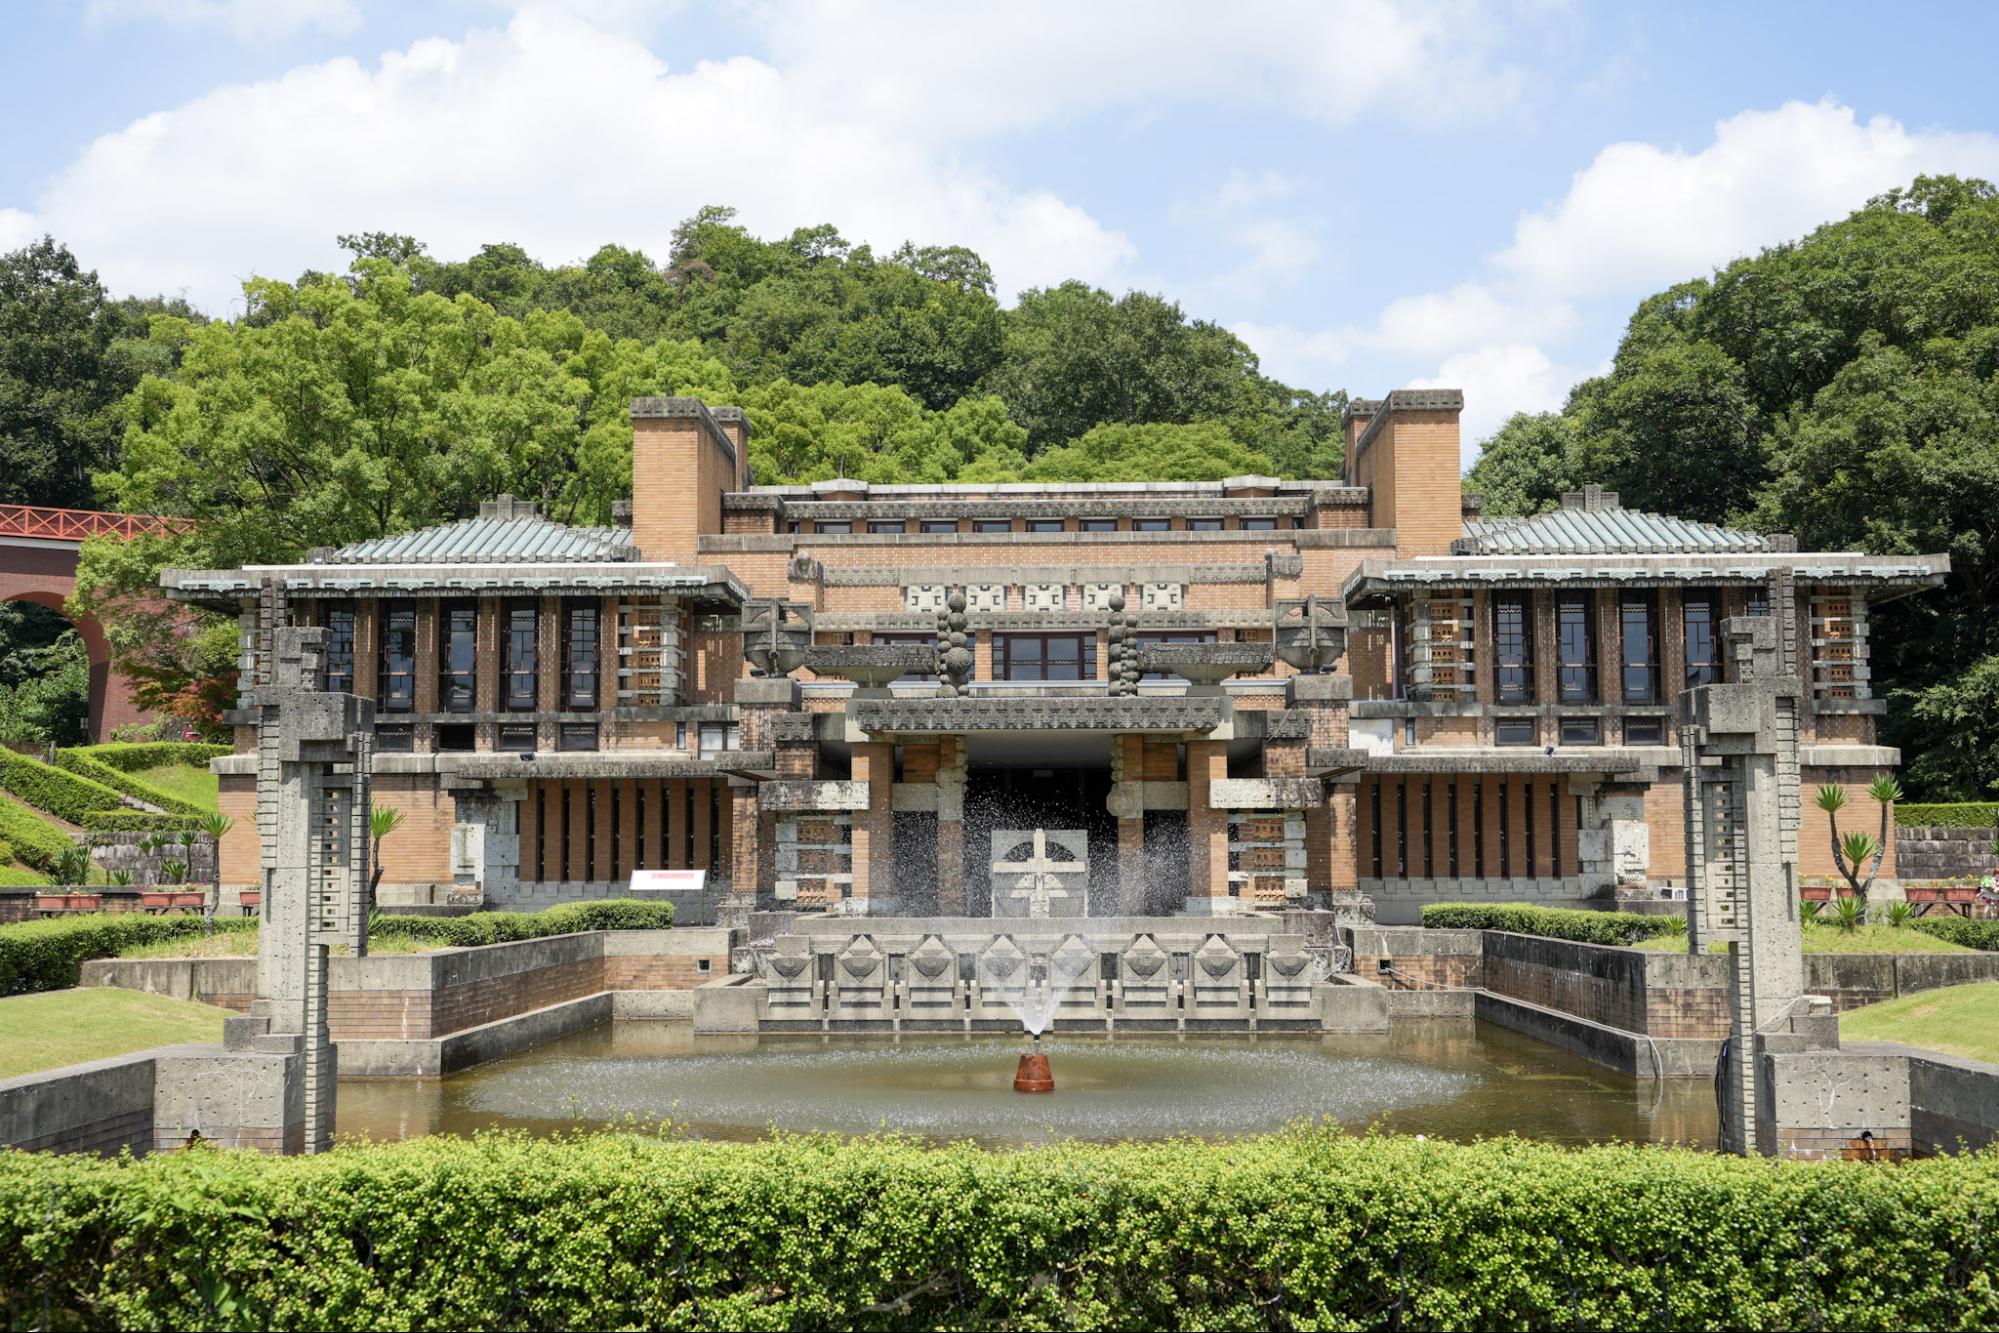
1449 1079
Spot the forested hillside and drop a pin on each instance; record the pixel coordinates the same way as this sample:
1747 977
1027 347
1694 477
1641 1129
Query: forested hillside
1844 388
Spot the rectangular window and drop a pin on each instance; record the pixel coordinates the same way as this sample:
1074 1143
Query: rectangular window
887 527
1478 828
579 657
340 647
1513 648
1575 630
1259 525
1401 830
1505 833
1641 649
1204 525
937 527
1582 731
1759 602
576 736
1032 657
717 737
457 656
397 739
1697 620
830 527
1644 730
1514 731
991 525
1152 525
1044 525
1097 525
1451 829
1555 828
398 657
1527 791
1374 811
517 738
1429 838
523 657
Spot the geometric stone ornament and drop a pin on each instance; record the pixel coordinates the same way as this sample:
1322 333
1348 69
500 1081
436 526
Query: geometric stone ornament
1040 873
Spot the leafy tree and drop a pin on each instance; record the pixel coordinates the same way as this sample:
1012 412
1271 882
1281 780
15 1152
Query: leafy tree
51 701
1527 465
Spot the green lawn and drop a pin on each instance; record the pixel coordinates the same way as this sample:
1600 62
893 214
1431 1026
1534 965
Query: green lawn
68 1027
190 782
243 944
1957 1020
1831 939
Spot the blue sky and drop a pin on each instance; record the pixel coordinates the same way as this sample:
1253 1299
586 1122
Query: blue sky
1371 194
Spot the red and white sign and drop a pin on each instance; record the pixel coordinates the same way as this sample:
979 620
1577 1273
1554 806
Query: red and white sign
661 881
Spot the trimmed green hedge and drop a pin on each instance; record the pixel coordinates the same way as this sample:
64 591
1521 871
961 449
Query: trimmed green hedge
500 927
20 877
1955 814
47 954
56 791
1971 934
1306 1229
135 756
117 779
1559 923
139 821
35 841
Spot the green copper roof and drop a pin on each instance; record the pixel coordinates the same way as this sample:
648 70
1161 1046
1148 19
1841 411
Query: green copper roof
1592 522
507 531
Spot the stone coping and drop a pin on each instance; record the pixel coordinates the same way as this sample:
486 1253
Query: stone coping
1376 580
522 578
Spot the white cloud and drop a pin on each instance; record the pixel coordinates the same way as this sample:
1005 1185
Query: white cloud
1641 216
17 229
1500 379
1636 219
551 133
246 20
956 71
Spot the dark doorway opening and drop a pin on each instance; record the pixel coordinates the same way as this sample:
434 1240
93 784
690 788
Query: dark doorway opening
1048 798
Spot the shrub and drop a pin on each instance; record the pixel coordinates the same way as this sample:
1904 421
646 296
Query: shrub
1308 1229
35 841
63 794
84 765
1971 934
1557 923
20 877
134 758
139 821
501 927
47 955
1954 814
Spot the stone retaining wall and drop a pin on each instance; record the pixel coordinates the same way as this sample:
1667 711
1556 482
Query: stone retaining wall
1944 853
1658 994
1851 980
419 997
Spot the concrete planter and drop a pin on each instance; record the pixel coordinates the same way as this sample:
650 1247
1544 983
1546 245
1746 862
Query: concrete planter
68 900
159 900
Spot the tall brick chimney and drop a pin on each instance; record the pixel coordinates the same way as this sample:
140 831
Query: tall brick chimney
684 458
1405 450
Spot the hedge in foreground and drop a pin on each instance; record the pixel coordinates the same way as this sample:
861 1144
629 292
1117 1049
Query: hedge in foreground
1560 923
1952 814
49 954
1306 1229
500 927
1971 934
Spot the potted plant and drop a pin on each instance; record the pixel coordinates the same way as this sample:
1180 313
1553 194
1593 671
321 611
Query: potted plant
72 893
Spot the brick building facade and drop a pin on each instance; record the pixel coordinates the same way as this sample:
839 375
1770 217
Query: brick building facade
1244 693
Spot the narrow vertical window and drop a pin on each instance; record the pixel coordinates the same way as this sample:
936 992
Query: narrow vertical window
1513 648
1505 833
1374 813
457 656
1402 830
1697 618
523 657
579 667
1527 790
1429 838
398 657
1641 649
1451 830
1575 627
1478 828
1555 828
340 647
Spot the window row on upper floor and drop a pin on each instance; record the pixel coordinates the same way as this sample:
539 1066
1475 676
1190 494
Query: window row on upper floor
894 527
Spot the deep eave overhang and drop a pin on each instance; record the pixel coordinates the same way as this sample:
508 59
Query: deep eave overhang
1380 580
228 588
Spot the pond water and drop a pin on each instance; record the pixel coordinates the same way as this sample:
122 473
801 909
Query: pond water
1448 1079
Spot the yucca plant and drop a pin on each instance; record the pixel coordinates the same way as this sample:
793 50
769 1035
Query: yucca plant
382 821
72 866
120 878
1849 915
1809 912
215 825
173 872
1899 914
1852 851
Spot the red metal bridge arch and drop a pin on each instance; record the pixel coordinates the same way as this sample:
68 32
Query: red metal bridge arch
38 564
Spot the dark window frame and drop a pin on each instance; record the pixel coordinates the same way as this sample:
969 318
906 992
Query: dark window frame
992 527
458 657
1096 525
1008 657
888 527
1638 646
1575 647
1513 648
523 657
396 681
1700 639
340 622
938 527
1045 525
1152 525
582 655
